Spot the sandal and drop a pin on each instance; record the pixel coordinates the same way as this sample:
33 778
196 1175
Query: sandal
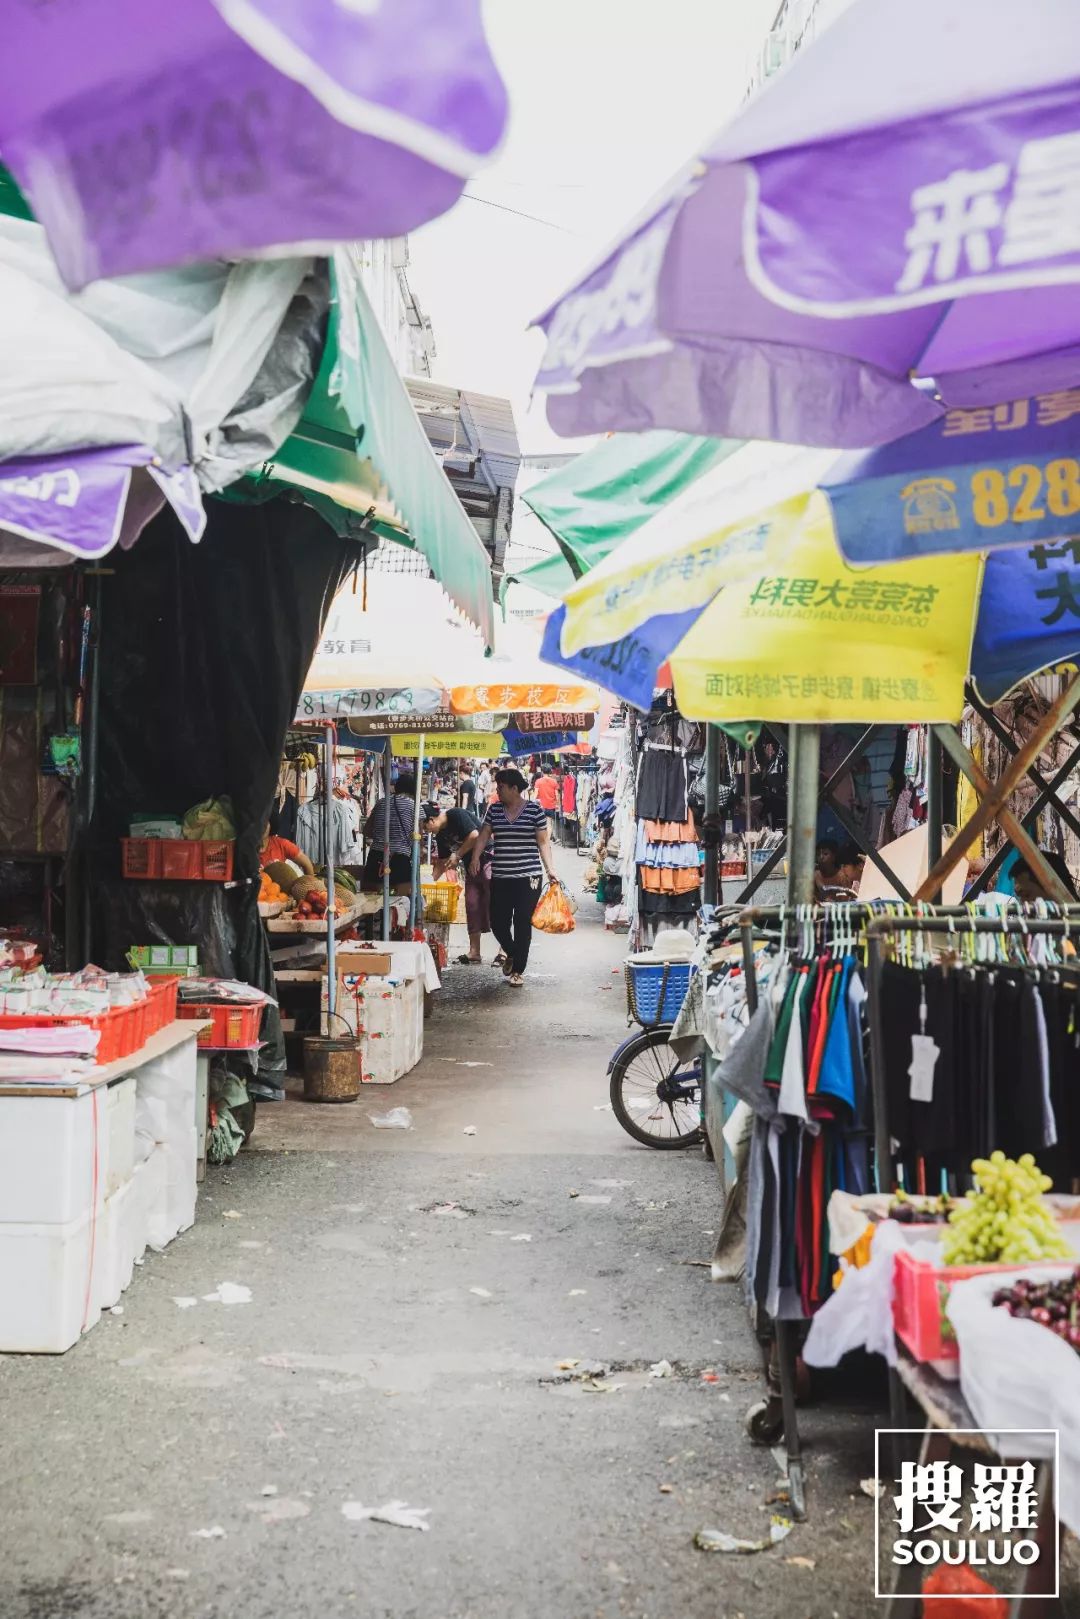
499 960
515 979
468 961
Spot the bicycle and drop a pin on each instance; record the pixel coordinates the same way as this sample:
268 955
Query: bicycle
655 1095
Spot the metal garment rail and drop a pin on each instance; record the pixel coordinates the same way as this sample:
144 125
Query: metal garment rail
946 921
876 923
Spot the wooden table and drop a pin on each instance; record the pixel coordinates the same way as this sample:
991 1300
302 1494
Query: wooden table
946 1413
365 905
158 1045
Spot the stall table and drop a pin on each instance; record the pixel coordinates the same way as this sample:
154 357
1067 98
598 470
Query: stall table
946 1414
92 1170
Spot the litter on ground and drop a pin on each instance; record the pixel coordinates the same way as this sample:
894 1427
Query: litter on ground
718 1540
228 1293
396 1513
661 1368
398 1118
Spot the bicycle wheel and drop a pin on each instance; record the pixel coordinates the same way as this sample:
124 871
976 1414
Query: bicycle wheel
655 1097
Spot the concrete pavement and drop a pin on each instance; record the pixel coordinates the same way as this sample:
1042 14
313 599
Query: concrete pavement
396 1349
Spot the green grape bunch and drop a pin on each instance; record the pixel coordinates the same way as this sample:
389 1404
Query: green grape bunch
1004 1219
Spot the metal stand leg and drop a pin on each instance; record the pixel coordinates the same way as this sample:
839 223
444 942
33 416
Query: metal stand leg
786 1356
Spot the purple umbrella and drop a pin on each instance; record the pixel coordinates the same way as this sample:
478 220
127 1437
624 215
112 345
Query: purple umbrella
891 227
148 134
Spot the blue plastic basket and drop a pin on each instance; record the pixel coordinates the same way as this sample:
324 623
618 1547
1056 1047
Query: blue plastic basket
655 991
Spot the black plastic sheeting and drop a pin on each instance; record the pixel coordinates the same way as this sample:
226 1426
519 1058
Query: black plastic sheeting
204 650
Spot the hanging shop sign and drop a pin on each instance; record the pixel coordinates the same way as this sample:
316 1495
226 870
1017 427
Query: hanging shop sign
391 724
519 743
453 745
553 720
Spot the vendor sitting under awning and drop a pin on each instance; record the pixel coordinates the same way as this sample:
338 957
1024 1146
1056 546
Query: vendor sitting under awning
272 848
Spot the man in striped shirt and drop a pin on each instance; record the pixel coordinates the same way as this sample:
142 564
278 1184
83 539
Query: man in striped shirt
517 829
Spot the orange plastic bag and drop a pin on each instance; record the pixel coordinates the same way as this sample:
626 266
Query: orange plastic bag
959 1593
554 911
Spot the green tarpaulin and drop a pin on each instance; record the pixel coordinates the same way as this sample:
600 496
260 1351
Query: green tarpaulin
600 497
361 443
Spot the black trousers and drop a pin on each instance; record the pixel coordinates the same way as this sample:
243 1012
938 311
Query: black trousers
513 901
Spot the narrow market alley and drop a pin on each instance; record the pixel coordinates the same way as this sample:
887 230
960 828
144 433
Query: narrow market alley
412 1294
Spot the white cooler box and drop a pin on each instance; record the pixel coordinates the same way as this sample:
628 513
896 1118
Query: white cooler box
388 1014
54 1157
48 1296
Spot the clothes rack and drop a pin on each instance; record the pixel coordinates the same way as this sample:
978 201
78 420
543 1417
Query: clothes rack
871 924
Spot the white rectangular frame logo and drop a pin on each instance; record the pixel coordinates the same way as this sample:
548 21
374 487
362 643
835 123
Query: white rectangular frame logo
950 1433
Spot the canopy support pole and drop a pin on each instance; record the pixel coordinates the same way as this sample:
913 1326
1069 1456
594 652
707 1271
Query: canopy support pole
710 891
933 803
388 787
993 803
414 896
1018 834
804 768
328 851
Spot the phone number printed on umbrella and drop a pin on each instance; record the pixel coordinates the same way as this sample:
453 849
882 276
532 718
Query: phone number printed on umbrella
327 704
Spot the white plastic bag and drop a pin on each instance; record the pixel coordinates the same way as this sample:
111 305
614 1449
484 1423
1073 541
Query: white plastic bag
1016 1374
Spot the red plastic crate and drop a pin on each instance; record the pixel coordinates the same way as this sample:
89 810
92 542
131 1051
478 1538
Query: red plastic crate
217 861
183 860
141 857
120 1028
231 1025
920 1291
161 1004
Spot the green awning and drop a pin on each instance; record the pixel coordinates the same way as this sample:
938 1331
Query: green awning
361 443
550 576
603 495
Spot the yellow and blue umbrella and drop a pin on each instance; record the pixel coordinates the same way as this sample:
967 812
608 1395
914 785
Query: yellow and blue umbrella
862 607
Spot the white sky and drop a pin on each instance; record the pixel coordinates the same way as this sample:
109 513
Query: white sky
607 99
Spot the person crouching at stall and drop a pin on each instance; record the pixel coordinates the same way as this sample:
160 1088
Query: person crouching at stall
398 848
517 829
456 833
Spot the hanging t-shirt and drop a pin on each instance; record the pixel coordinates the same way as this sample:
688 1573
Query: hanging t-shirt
569 795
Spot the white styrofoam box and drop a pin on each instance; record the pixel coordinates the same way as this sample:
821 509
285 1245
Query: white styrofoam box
147 1200
114 1253
160 1228
389 1016
181 1164
45 1278
151 1117
48 1154
120 1112
165 1093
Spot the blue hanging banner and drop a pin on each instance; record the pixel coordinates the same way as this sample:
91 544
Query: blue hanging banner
977 480
1029 616
627 667
521 743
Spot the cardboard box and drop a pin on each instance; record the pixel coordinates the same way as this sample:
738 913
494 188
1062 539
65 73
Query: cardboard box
352 960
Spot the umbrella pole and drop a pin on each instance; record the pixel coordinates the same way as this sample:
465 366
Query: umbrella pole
388 787
414 897
328 852
933 804
711 829
804 768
